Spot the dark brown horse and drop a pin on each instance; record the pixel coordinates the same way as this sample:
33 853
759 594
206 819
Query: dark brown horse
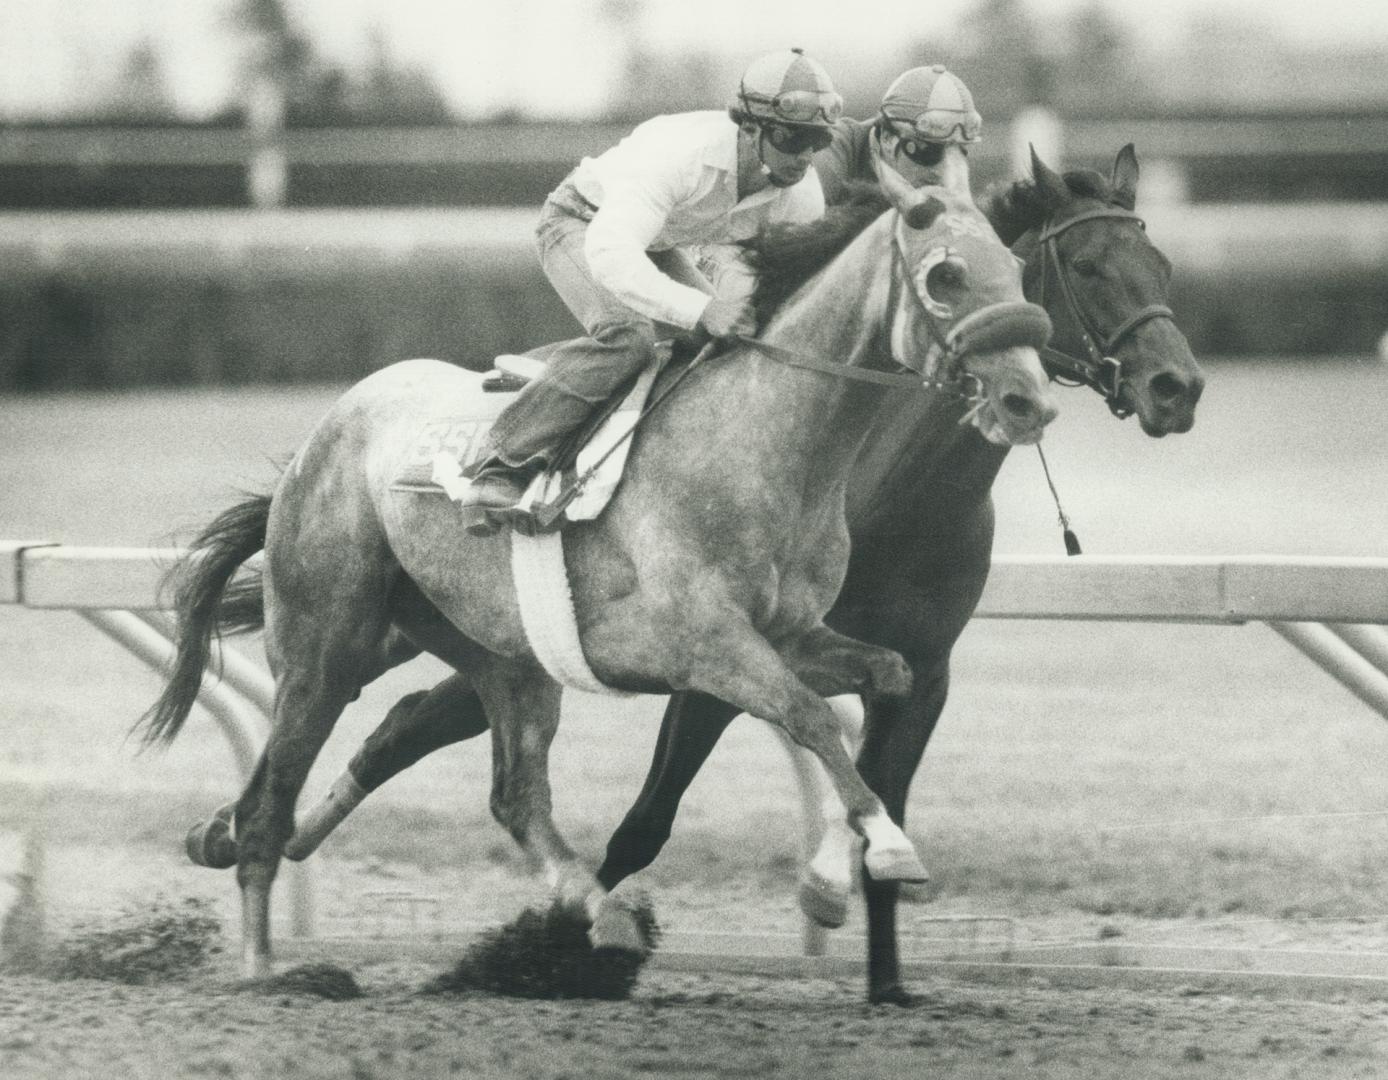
720 591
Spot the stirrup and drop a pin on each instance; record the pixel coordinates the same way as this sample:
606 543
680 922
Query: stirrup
478 521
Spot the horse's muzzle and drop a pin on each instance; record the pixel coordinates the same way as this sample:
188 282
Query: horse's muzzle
1000 326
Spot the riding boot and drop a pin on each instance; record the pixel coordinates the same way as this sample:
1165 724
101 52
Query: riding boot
491 499
534 431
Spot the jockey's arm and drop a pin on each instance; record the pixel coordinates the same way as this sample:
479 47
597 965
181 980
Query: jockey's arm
633 214
845 160
728 269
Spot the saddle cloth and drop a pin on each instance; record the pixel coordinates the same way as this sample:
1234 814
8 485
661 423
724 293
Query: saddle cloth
444 450
446 446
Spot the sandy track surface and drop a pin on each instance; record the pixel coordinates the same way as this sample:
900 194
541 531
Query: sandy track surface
676 1025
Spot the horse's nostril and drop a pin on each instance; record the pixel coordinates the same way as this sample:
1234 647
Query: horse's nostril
1019 405
1167 388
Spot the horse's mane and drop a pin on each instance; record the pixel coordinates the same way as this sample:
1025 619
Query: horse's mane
786 256
1016 207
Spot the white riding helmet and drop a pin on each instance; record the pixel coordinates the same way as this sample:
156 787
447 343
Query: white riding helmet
787 87
931 104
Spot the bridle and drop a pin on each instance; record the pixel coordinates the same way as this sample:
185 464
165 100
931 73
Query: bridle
949 376
1097 368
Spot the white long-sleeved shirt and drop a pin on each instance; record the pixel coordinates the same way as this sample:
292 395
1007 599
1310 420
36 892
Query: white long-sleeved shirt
673 182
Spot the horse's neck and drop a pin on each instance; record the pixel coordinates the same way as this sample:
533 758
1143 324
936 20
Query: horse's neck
839 313
802 420
911 455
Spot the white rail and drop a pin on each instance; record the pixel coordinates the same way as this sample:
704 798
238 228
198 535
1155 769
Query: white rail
1333 609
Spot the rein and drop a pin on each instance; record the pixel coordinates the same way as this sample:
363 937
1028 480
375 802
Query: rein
954 380
1098 369
794 358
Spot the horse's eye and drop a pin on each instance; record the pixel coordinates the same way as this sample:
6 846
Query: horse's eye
1087 267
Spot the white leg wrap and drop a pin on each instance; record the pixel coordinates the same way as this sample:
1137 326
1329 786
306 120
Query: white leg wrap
342 798
890 854
838 851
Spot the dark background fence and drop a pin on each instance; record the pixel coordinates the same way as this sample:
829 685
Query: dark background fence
119 323
129 256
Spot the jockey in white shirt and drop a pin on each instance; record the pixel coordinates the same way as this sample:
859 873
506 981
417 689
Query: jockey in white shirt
611 240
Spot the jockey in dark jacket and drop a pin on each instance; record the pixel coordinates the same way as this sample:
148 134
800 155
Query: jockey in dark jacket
924 112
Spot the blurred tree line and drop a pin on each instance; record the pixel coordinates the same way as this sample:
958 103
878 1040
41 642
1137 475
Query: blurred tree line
276 54
1084 61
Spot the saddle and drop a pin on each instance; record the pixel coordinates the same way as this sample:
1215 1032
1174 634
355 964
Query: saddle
586 470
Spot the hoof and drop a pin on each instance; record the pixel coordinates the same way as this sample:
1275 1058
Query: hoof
616 929
210 843
823 902
895 864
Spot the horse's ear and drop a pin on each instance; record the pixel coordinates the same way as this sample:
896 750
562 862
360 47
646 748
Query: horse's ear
1125 177
1049 183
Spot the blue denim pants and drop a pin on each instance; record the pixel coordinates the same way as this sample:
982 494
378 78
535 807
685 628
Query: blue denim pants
583 373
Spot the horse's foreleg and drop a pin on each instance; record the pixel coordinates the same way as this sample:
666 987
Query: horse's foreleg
416 726
831 663
743 668
689 730
893 744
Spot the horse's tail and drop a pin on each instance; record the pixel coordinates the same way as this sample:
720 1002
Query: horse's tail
242 606
205 604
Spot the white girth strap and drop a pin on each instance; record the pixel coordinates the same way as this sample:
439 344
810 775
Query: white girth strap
547 611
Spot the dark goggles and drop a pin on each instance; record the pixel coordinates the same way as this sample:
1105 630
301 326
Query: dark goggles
925 154
801 106
796 140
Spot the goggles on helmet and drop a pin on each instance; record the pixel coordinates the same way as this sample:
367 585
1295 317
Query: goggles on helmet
800 106
796 140
938 125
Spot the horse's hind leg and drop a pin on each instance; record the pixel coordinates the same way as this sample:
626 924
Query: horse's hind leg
416 726
522 703
211 843
326 637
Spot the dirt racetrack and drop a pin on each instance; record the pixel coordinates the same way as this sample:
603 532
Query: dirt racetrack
679 1024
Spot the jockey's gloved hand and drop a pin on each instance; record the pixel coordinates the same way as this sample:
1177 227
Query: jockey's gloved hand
723 318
